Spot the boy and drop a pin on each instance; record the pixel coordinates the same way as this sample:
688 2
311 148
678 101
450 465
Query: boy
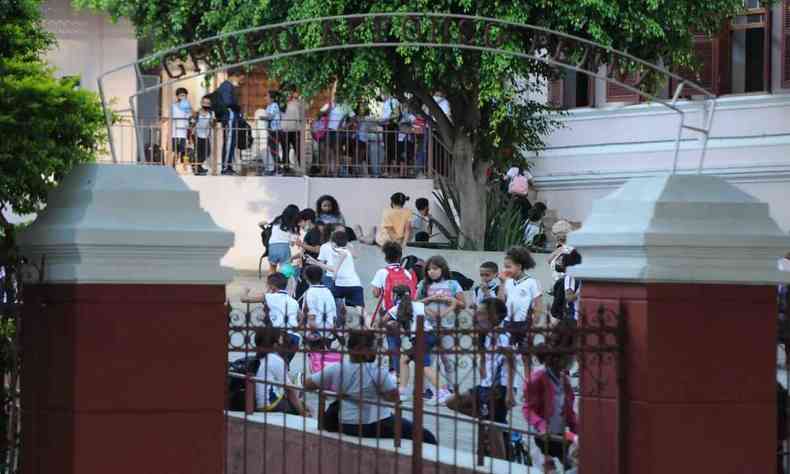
489 284
229 114
204 123
181 112
271 395
384 282
279 309
494 396
421 223
319 307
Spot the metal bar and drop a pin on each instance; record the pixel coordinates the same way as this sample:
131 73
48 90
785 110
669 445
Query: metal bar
677 143
419 388
706 136
696 129
107 119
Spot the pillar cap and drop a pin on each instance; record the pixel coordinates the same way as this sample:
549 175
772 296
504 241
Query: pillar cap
680 228
126 224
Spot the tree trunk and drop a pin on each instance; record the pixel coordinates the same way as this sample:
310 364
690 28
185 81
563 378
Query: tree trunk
471 186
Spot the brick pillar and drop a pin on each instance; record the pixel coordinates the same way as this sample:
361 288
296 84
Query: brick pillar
124 344
690 261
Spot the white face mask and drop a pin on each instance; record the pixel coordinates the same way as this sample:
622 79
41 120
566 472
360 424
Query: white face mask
783 265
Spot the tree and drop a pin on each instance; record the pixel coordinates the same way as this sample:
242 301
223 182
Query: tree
486 91
48 125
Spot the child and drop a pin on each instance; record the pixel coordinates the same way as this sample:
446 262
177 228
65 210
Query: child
402 319
494 396
489 283
522 294
421 223
548 407
285 231
280 311
442 296
384 283
337 259
320 318
271 395
181 112
204 123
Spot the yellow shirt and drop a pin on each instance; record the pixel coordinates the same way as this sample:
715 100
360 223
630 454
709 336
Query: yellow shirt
393 225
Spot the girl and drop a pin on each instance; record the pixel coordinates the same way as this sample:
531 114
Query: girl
320 320
395 222
549 405
522 294
442 296
362 378
328 211
337 259
402 319
271 395
285 231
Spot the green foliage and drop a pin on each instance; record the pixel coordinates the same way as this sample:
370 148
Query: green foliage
486 91
48 125
505 225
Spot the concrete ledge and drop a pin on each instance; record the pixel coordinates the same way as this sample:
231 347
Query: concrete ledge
294 436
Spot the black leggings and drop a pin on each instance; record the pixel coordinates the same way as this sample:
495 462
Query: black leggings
386 429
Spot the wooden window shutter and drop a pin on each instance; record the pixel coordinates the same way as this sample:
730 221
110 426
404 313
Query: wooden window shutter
712 55
786 44
556 92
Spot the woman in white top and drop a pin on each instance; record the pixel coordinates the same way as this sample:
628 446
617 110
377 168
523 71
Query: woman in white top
272 395
362 378
285 231
337 259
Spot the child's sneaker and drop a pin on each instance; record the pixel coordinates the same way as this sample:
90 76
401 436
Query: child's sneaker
428 394
443 396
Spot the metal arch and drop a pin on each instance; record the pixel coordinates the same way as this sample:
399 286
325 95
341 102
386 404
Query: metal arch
709 97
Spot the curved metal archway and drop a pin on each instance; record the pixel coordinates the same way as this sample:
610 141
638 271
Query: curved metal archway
430 30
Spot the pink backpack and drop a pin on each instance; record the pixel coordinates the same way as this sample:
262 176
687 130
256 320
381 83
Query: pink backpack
519 185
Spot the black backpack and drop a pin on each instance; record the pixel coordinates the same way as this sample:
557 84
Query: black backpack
559 307
237 390
219 107
266 235
244 135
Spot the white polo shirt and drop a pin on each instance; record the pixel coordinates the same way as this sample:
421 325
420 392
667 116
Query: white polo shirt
520 296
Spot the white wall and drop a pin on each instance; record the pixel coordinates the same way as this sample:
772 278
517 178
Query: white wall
239 203
90 44
599 149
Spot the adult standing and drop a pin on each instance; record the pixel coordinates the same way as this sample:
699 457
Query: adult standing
228 112
273 118
390 118
293 126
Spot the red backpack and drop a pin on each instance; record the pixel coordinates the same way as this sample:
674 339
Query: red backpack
398 276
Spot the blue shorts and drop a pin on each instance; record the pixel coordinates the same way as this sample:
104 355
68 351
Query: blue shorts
279 253
352 295
430 342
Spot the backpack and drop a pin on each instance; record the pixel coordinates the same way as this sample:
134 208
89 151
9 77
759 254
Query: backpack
218 106
559 307
266 235
519 185
466 283
244 138
397 276
237 390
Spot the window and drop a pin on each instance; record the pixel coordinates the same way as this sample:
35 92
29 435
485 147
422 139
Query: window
573 90
737 60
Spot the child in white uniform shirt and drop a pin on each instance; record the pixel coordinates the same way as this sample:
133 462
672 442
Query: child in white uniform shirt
273 396
337 259
280 311
489 284
320 318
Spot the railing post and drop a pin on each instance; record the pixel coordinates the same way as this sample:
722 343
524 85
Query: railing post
398 427
249 395
429 145
321 410
419 385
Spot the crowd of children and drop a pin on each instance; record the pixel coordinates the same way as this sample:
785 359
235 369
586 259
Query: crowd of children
420 298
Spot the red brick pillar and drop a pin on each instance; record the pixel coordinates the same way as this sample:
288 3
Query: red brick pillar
690 262
124 345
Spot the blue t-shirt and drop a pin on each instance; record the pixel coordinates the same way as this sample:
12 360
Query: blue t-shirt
448 288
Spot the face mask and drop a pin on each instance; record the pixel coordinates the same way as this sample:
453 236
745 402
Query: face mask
184 105
207 109
783 265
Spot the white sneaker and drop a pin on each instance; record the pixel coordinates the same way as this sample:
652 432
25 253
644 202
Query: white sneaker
443 396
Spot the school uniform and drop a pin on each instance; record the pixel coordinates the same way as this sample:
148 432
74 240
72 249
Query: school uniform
270 395
480 296
283 312
520 296
347 285
418 309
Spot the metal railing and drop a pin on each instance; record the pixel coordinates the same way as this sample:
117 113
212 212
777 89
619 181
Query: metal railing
465 436
357 148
